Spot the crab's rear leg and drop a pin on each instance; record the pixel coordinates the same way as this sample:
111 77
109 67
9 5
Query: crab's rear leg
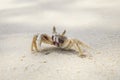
79 49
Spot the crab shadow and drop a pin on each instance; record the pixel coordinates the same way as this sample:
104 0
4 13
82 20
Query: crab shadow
50 50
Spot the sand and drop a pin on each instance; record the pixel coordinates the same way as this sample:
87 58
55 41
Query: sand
17 62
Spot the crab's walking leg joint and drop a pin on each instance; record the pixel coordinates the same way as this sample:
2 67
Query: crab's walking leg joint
78 44
79 49
34 44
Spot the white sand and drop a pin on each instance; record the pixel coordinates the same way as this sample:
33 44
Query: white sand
96 22
18 63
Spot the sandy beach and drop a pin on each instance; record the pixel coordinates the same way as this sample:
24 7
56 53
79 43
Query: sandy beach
95 22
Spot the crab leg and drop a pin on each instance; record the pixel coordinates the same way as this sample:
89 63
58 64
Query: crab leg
34 44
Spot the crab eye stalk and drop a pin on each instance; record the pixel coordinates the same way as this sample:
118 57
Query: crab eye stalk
63 33
54 30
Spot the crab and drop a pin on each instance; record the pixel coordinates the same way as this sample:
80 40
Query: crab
58 40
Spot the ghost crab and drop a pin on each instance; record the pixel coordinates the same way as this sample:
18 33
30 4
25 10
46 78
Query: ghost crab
58 40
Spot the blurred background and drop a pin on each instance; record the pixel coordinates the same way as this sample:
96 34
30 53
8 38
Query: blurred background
94 21
33 16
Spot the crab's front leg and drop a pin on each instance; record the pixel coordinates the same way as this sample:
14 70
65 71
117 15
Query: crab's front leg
39 39
40 43
34 44
44 38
